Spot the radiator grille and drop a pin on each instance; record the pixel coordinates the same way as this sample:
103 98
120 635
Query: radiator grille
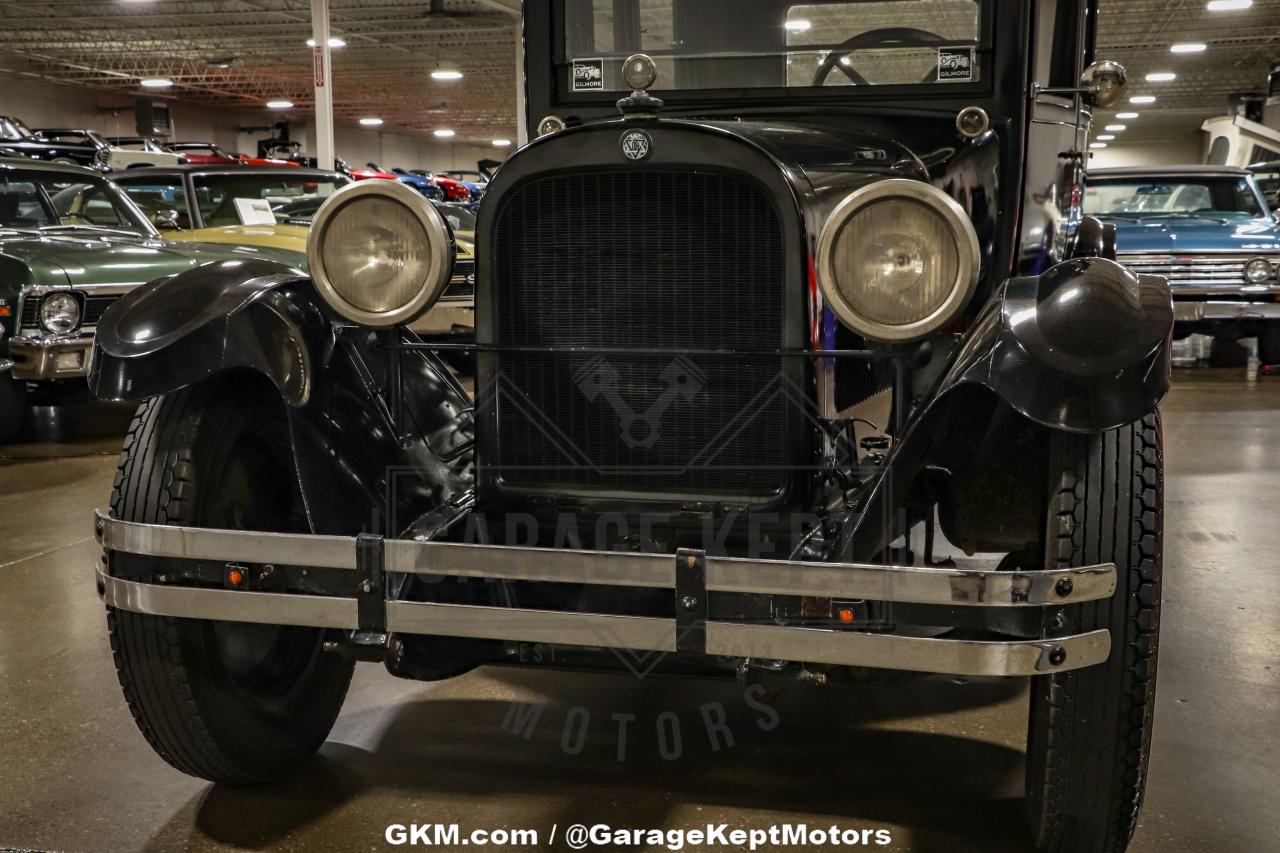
1203 272
649 260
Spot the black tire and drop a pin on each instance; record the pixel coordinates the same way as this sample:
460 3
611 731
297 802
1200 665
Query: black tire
1228 352
229 702
1089 731
1269 343
13 408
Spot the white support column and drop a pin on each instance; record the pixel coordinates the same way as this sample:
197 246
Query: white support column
522 130
323 83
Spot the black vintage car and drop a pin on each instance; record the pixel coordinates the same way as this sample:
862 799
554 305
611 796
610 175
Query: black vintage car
715 261
18 138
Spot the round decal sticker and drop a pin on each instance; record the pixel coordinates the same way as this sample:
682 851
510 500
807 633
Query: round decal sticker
636 144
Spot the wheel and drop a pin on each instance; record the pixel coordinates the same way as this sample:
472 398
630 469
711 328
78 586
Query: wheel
13 408
1269 343
1089 730
230 702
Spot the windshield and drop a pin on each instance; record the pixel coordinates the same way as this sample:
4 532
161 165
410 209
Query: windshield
34 200
224 199
1182 196
459 219
11 128
710 44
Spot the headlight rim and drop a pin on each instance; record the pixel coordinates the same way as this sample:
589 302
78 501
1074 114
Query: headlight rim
79 313
967 248
439 238
1259 259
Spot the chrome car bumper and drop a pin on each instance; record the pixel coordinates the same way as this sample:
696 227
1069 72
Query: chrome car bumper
1218 310
38 359
362 605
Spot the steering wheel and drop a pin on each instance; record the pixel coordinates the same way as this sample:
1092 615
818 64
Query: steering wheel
886 37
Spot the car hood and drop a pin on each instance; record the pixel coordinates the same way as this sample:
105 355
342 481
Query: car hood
1160 235
59 260
289 239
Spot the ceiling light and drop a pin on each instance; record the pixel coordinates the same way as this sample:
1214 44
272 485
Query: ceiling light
223 62
1116 128
1190 47
279 104
798 26
444 133
1161 77
371 122
156 82
501 143
1098 145
1143 99
1228 5
446 75
334 41
1106 137
1127 115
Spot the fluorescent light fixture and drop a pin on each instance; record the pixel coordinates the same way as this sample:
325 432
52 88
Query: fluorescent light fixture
156 82
1127 115
1161 77
371 121
1190 47
443 133
446 75
280 104
1106 137
798 26
334 41
1143 99
1117 128
501 143
1228 5
1098 145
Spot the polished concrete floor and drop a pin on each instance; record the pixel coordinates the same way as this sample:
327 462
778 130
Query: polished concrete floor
939 763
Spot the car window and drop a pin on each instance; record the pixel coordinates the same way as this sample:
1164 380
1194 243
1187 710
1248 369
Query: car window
216 194
88 204
156 195
1211 194
11 130
21 205
458 219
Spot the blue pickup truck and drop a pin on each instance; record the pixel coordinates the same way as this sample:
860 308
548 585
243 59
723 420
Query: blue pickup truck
1210 231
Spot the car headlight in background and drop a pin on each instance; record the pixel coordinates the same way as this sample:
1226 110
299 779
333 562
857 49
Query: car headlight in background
1257 270
379 253
60 313
898 260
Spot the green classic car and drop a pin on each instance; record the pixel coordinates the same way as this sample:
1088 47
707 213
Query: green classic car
71 243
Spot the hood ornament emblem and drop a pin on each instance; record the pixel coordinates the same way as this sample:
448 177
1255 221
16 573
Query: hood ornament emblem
639 72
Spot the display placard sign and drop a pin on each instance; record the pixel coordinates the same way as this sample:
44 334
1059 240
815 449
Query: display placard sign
955 64
254 211
587 75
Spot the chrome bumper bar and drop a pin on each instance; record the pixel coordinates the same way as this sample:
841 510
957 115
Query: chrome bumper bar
41 359
1191 312
953 587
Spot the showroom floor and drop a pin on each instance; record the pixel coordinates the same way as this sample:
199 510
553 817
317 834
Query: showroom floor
939 764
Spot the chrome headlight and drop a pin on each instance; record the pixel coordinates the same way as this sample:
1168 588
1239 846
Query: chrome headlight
379 253
898 260
60 313
1257 270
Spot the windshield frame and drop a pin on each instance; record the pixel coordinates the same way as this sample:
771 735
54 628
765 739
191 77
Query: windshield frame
550 59
1138 180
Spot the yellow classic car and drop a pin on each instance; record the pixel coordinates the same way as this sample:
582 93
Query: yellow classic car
210 204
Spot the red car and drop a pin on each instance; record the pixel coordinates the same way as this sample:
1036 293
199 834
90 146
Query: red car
453 190
202 153
208 154
372 170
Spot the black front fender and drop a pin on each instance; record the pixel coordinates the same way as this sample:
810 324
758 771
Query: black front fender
362 463
177 331
1085 347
